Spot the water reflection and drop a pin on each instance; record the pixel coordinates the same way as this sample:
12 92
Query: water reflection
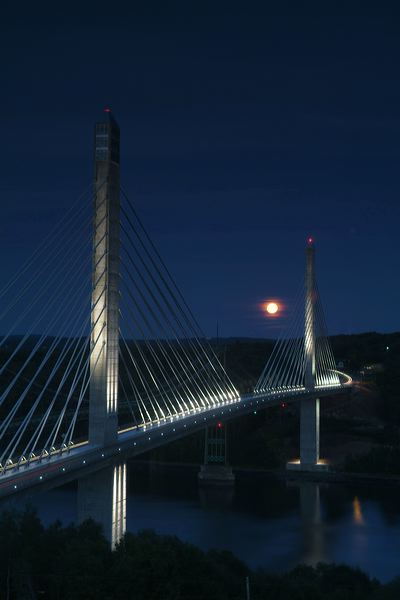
264 522
102 497
216 497
312 525
357 512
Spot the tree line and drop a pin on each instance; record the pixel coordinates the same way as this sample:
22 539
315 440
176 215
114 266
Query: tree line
77 563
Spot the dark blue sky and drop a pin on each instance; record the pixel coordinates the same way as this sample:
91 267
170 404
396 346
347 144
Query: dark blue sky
243 131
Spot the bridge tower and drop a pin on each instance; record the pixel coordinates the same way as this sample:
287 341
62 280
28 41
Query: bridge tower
309 407
103 419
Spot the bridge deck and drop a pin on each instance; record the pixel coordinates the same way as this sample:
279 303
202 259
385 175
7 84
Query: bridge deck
60 467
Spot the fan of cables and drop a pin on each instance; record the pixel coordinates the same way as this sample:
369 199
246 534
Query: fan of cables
167 367
286 368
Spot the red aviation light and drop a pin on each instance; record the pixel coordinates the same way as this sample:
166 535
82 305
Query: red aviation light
107 110
310 241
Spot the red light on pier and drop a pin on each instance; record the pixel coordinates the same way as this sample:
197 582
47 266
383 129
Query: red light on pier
310 241
220 425
108 110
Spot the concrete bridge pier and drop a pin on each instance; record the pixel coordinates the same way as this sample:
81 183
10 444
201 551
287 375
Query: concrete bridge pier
216 471
102 497
309 432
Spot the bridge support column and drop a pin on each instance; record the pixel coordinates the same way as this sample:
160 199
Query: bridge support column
309 432
216 470
103 419
102 497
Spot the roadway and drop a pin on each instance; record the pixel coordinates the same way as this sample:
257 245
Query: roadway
83 458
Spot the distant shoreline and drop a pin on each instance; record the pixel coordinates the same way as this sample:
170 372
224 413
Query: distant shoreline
283 474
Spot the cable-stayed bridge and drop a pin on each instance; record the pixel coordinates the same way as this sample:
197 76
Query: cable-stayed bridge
101 357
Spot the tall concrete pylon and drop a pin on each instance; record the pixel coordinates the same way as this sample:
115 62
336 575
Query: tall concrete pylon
103 402
309 408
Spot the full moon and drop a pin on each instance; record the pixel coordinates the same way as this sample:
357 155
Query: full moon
272 308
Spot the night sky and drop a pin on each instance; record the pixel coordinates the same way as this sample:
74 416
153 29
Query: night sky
243 131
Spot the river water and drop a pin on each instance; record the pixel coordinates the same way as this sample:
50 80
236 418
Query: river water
265 521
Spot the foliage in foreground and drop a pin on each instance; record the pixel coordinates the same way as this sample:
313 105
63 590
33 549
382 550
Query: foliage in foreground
74 563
